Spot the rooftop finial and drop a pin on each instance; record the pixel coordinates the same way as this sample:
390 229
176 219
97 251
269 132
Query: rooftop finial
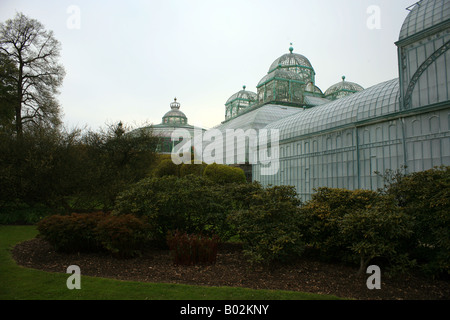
343 78
291 48
244 87
175 104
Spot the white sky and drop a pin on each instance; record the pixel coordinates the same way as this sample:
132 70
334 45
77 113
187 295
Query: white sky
129 59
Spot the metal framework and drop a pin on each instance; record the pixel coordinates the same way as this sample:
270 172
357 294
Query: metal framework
174 116
350 133
238 102
342 89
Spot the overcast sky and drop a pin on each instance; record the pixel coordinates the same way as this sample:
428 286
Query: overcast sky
127 60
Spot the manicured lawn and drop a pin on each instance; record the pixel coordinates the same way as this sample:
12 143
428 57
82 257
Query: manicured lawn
19 283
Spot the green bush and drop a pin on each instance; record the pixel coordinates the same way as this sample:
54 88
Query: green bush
19 213
69 171
322 216
194 169
192 249
124 236
222 174
425 197
269 227
166 168
191 204
378 231
71 233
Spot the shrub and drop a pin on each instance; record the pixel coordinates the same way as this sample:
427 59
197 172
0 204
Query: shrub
166 168
378 231
425 196
194 169
124 236
71 233
221 174
191 204
19 213
269 227
322 215
192 249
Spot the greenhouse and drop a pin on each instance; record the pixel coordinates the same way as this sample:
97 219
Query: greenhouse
345 136
174 119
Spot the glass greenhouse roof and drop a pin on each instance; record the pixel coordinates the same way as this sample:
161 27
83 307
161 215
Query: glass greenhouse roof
379 100
424 15
258 118
315 101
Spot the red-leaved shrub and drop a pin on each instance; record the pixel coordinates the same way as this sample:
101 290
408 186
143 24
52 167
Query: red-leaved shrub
124 236
192 249
71 233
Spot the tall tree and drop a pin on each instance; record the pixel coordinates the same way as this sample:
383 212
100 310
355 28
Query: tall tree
34 51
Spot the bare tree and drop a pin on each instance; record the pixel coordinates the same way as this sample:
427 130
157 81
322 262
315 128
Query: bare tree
35 53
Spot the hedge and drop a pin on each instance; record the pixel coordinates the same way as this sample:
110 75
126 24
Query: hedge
122 236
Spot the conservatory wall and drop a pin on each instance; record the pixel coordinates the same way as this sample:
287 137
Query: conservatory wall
346 143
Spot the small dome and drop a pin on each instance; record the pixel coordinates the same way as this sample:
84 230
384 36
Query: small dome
174 116
243 95
342 89
424 15
239 101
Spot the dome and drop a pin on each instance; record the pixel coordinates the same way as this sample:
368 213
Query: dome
239 101
291 61
174 116
424 15
243 95
282 74
342 89
296 63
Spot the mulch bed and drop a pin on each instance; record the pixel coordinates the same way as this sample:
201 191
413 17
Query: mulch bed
231 269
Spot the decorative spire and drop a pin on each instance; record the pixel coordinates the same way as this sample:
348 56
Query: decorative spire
291 48
175 104
244 87
343 78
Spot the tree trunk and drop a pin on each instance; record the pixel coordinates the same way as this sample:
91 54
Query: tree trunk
18 107
362 266
19 128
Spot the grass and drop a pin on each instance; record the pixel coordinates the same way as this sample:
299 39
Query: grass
19 283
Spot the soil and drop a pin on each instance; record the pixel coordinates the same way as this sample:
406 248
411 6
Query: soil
232 270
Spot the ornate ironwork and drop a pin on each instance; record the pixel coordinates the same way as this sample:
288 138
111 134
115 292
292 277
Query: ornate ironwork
424 66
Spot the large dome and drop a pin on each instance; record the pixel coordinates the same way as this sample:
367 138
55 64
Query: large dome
174 116
424 15
294 62
291 61
342 89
